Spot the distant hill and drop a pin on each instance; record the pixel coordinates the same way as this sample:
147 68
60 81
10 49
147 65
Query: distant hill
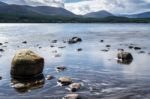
99 14
27 10
139 15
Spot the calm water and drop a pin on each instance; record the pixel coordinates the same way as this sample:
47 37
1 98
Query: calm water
99 72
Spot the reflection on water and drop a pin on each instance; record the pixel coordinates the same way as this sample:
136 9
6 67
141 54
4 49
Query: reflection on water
101 74
25 85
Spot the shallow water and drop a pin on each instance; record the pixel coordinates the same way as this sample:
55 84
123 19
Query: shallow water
99 72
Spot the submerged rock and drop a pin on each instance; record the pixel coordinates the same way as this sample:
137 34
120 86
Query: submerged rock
72 96
54 41
0 77
108 45
26 64
74 40
131 47
124 55
74 87
101 41
60 68
61 47
105 50
1 44
141 52
64 80
126 62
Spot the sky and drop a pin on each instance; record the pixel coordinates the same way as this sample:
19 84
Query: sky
86 6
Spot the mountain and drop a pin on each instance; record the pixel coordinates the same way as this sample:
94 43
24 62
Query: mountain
98 14
38 10
139 15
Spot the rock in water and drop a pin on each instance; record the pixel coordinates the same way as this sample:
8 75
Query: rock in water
125 56
74 40
64 81
74 87
26 64
72 96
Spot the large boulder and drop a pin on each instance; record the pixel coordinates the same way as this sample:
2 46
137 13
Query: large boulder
26 64
125 55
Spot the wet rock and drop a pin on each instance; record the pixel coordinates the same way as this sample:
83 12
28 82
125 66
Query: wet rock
137 48
74 40
52 46
54 41
75 86
105 50
62 47
79 49
101 41
1 44
124 56
130 47
26 64
72 96
19 86
24 42
6 42
49 77
120 49
64 81
40 47
1 50
108 45
60 68
0 77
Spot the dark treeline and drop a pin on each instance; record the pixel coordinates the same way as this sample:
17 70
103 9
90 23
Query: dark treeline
15 18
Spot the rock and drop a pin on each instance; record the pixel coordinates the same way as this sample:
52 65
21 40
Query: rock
74 40
131 47
101 40
74 87
60 68
108 45
0 77
49 77
64 80
19 86
54 41
1 44
1 50
126 62
141 52
79 49
72 96
105 50
120 49
24 42
62 47
40 47
52 46
137 48
26 64
125 56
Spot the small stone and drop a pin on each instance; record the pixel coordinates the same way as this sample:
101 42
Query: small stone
1 50
74 40
131 47
79 49
105 50
62 47
141 52
40 47
24 42
108 45
57 55
52 46
60 68
49 77
101 40
0 77
137 48
74 87
72 96
65 80
120 49
54 41
1 44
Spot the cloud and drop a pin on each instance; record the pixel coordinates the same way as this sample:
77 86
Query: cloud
55 3
114 6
